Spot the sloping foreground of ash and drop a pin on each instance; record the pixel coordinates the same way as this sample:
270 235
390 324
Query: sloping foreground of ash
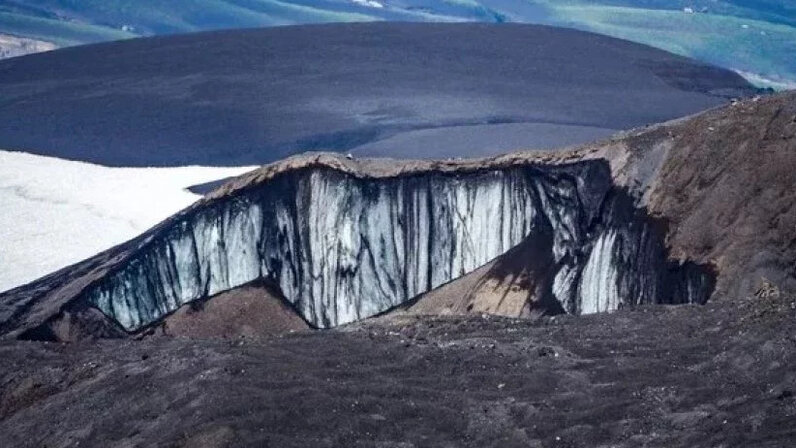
211 310
718 375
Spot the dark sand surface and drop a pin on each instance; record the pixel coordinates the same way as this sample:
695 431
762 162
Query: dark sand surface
687 376
253 96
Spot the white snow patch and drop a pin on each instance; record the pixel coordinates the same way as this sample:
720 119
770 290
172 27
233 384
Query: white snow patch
758 80
56 212
370 3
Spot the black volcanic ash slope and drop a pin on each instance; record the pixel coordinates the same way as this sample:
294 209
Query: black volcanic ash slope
254 96
662 377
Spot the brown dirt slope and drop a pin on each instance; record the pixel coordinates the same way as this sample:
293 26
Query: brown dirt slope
728 190
251 311
507 286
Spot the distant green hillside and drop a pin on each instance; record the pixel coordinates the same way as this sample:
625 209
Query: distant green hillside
756 37
758 40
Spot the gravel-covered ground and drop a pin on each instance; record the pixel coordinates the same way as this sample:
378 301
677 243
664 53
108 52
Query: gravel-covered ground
714 375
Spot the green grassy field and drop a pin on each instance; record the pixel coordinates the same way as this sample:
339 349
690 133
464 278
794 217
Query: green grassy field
61 33
761 50
95 20
755 37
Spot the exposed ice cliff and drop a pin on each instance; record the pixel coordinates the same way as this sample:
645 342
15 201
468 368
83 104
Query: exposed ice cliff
589 247
343 246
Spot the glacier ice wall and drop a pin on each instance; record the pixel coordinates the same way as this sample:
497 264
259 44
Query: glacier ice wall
343 247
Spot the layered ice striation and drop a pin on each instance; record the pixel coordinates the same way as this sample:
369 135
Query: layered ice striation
342 247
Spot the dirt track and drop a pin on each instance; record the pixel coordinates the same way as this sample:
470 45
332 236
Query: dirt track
717 375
